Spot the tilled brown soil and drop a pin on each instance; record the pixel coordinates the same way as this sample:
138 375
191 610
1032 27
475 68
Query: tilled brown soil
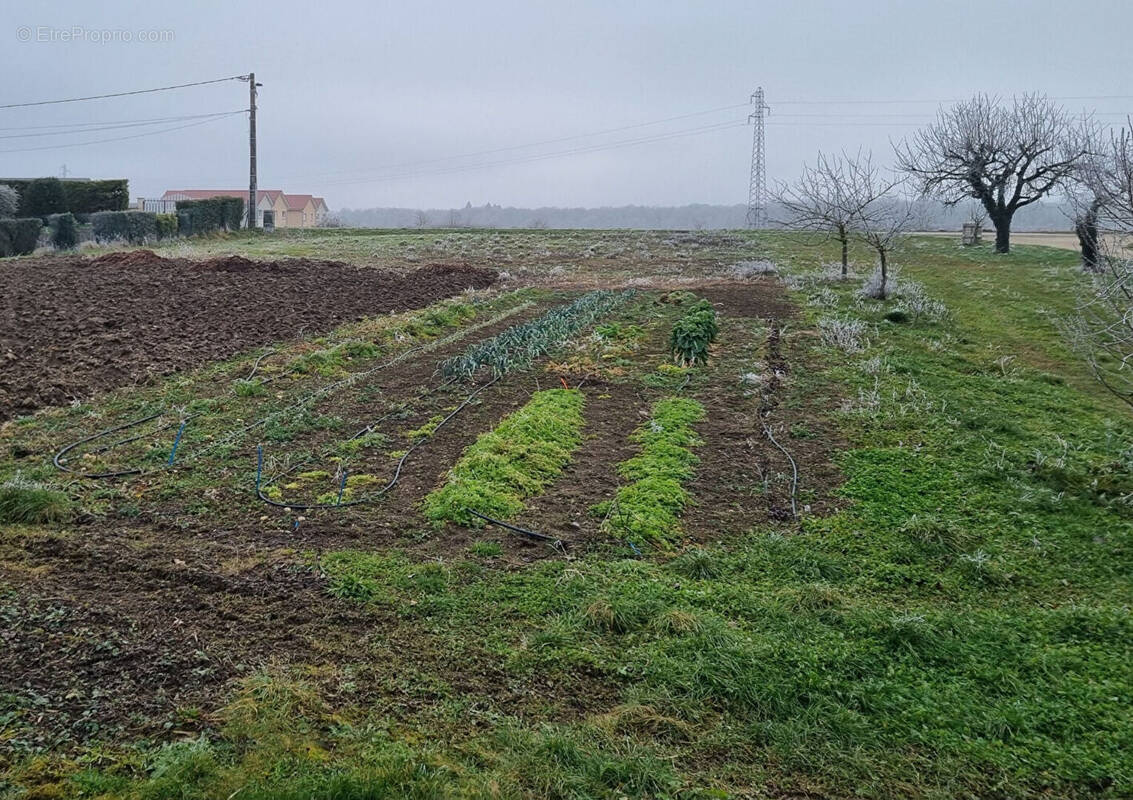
73 327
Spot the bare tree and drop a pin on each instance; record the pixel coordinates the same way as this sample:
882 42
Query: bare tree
1086 191
882 220
824 200
421 219
1102 329
1007 156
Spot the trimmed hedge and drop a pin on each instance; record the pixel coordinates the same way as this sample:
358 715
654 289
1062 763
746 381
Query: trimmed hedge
79 197
64 233
43 197
204 216
18 237
135 227
87 197
167 226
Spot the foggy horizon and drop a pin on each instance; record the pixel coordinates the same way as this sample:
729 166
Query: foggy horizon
382 104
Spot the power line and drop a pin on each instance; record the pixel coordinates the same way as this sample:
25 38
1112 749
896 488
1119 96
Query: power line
95 127
119 94
932 102
124 138
97 124
509 148
543 156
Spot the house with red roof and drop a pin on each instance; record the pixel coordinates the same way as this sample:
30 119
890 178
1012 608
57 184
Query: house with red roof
289 210
305 210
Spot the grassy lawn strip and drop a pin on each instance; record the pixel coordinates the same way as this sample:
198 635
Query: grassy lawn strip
516 460
648 509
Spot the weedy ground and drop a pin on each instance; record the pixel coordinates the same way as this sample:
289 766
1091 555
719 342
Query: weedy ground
946 616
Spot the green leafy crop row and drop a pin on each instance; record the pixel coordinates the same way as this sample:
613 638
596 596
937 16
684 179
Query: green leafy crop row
519 345
648 509
516 460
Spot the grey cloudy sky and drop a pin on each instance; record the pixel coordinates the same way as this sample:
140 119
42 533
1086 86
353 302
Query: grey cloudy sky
361 100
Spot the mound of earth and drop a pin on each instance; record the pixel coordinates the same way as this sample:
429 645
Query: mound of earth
231 264
129 258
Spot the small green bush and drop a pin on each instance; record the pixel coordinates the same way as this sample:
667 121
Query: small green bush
9 201
167 226
64 232
693 333
18 237
43 197
196 217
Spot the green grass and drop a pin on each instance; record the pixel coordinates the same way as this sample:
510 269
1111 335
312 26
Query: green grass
648 509
516 460
23 501
958 626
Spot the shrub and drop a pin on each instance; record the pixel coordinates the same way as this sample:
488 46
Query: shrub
87 197
847 335
44 196
746 270
875 288
915 301
692 334
64 233
9 201
79 197
204 216
18 237
167 226
136 227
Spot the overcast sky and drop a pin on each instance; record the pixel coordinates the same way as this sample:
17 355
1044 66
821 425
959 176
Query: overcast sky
368 102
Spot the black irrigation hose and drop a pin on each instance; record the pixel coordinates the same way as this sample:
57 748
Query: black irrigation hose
533 534
58 458
256 365
394 410
794 469
381 492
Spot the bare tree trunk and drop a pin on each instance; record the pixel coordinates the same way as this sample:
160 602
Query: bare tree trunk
845 240
1087 229
1002 223
882 257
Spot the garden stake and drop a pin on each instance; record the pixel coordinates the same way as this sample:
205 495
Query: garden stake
176 441
342 487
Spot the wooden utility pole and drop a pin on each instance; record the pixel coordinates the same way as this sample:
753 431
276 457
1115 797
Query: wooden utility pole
252 149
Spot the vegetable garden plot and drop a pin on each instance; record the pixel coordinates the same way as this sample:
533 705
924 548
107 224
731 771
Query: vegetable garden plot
198 540
293 393
70 329
515 460
382 447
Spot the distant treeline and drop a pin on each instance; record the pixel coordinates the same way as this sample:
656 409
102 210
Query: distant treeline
934 216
